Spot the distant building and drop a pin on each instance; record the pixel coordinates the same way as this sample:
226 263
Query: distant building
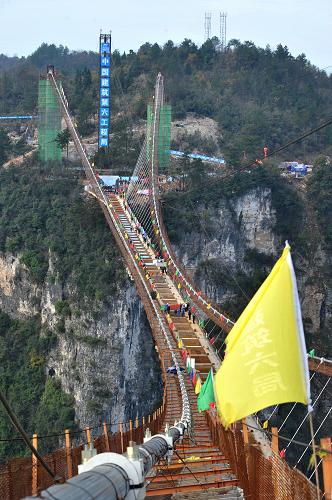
295 168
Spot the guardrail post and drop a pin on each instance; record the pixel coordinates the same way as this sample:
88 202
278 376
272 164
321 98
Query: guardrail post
107 443
325 443
275 440
88 435
68 454
121 436
245 431
34 483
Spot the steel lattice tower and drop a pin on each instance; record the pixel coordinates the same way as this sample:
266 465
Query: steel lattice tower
223 19
207 25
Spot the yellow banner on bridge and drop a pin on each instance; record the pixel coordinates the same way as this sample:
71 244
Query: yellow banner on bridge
266 361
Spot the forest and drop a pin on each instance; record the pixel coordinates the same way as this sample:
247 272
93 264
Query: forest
258 96
43 213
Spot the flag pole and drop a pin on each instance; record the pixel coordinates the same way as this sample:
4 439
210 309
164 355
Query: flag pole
314 452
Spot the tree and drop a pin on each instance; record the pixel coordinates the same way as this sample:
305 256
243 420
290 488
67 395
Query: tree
197 174
5 146
62 139
55 411
20 147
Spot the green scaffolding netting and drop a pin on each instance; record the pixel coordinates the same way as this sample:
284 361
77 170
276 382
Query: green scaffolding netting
149 130
164 135
49 123
164 142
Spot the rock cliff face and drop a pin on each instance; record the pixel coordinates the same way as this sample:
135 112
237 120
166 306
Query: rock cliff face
235 227
104 355
223 237
240 236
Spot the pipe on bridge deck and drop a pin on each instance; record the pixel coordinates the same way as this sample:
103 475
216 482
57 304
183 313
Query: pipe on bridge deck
109 476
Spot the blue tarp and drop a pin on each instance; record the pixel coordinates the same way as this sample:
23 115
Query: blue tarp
197 156
19 117
300 169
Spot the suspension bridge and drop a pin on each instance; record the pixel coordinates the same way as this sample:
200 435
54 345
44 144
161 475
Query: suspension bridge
188 452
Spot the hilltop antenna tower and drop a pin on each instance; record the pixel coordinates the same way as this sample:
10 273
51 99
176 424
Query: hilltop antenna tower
223 19
207 25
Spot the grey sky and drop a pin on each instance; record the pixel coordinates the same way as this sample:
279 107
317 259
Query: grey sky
302 25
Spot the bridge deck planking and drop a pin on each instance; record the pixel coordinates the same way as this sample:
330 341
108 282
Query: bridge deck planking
198 443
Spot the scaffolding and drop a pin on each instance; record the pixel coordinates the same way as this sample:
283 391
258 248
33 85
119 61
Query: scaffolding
164 135
222 35
207 26
164 142
149 130
49 122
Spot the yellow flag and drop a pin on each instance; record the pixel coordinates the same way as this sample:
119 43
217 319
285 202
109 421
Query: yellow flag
265 362
180 344
265 424
198 385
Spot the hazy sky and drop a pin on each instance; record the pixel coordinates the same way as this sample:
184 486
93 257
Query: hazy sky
302 25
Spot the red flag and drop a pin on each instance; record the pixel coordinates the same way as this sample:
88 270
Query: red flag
212 340
282 453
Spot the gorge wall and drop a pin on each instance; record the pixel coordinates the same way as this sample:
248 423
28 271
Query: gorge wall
229 248
234 244
104 355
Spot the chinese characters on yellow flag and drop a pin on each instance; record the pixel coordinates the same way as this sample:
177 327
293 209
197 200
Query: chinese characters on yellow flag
265 362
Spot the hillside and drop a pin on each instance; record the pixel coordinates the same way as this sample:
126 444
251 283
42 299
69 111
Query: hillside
256 96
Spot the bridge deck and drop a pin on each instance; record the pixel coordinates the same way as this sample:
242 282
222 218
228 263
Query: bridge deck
196 464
